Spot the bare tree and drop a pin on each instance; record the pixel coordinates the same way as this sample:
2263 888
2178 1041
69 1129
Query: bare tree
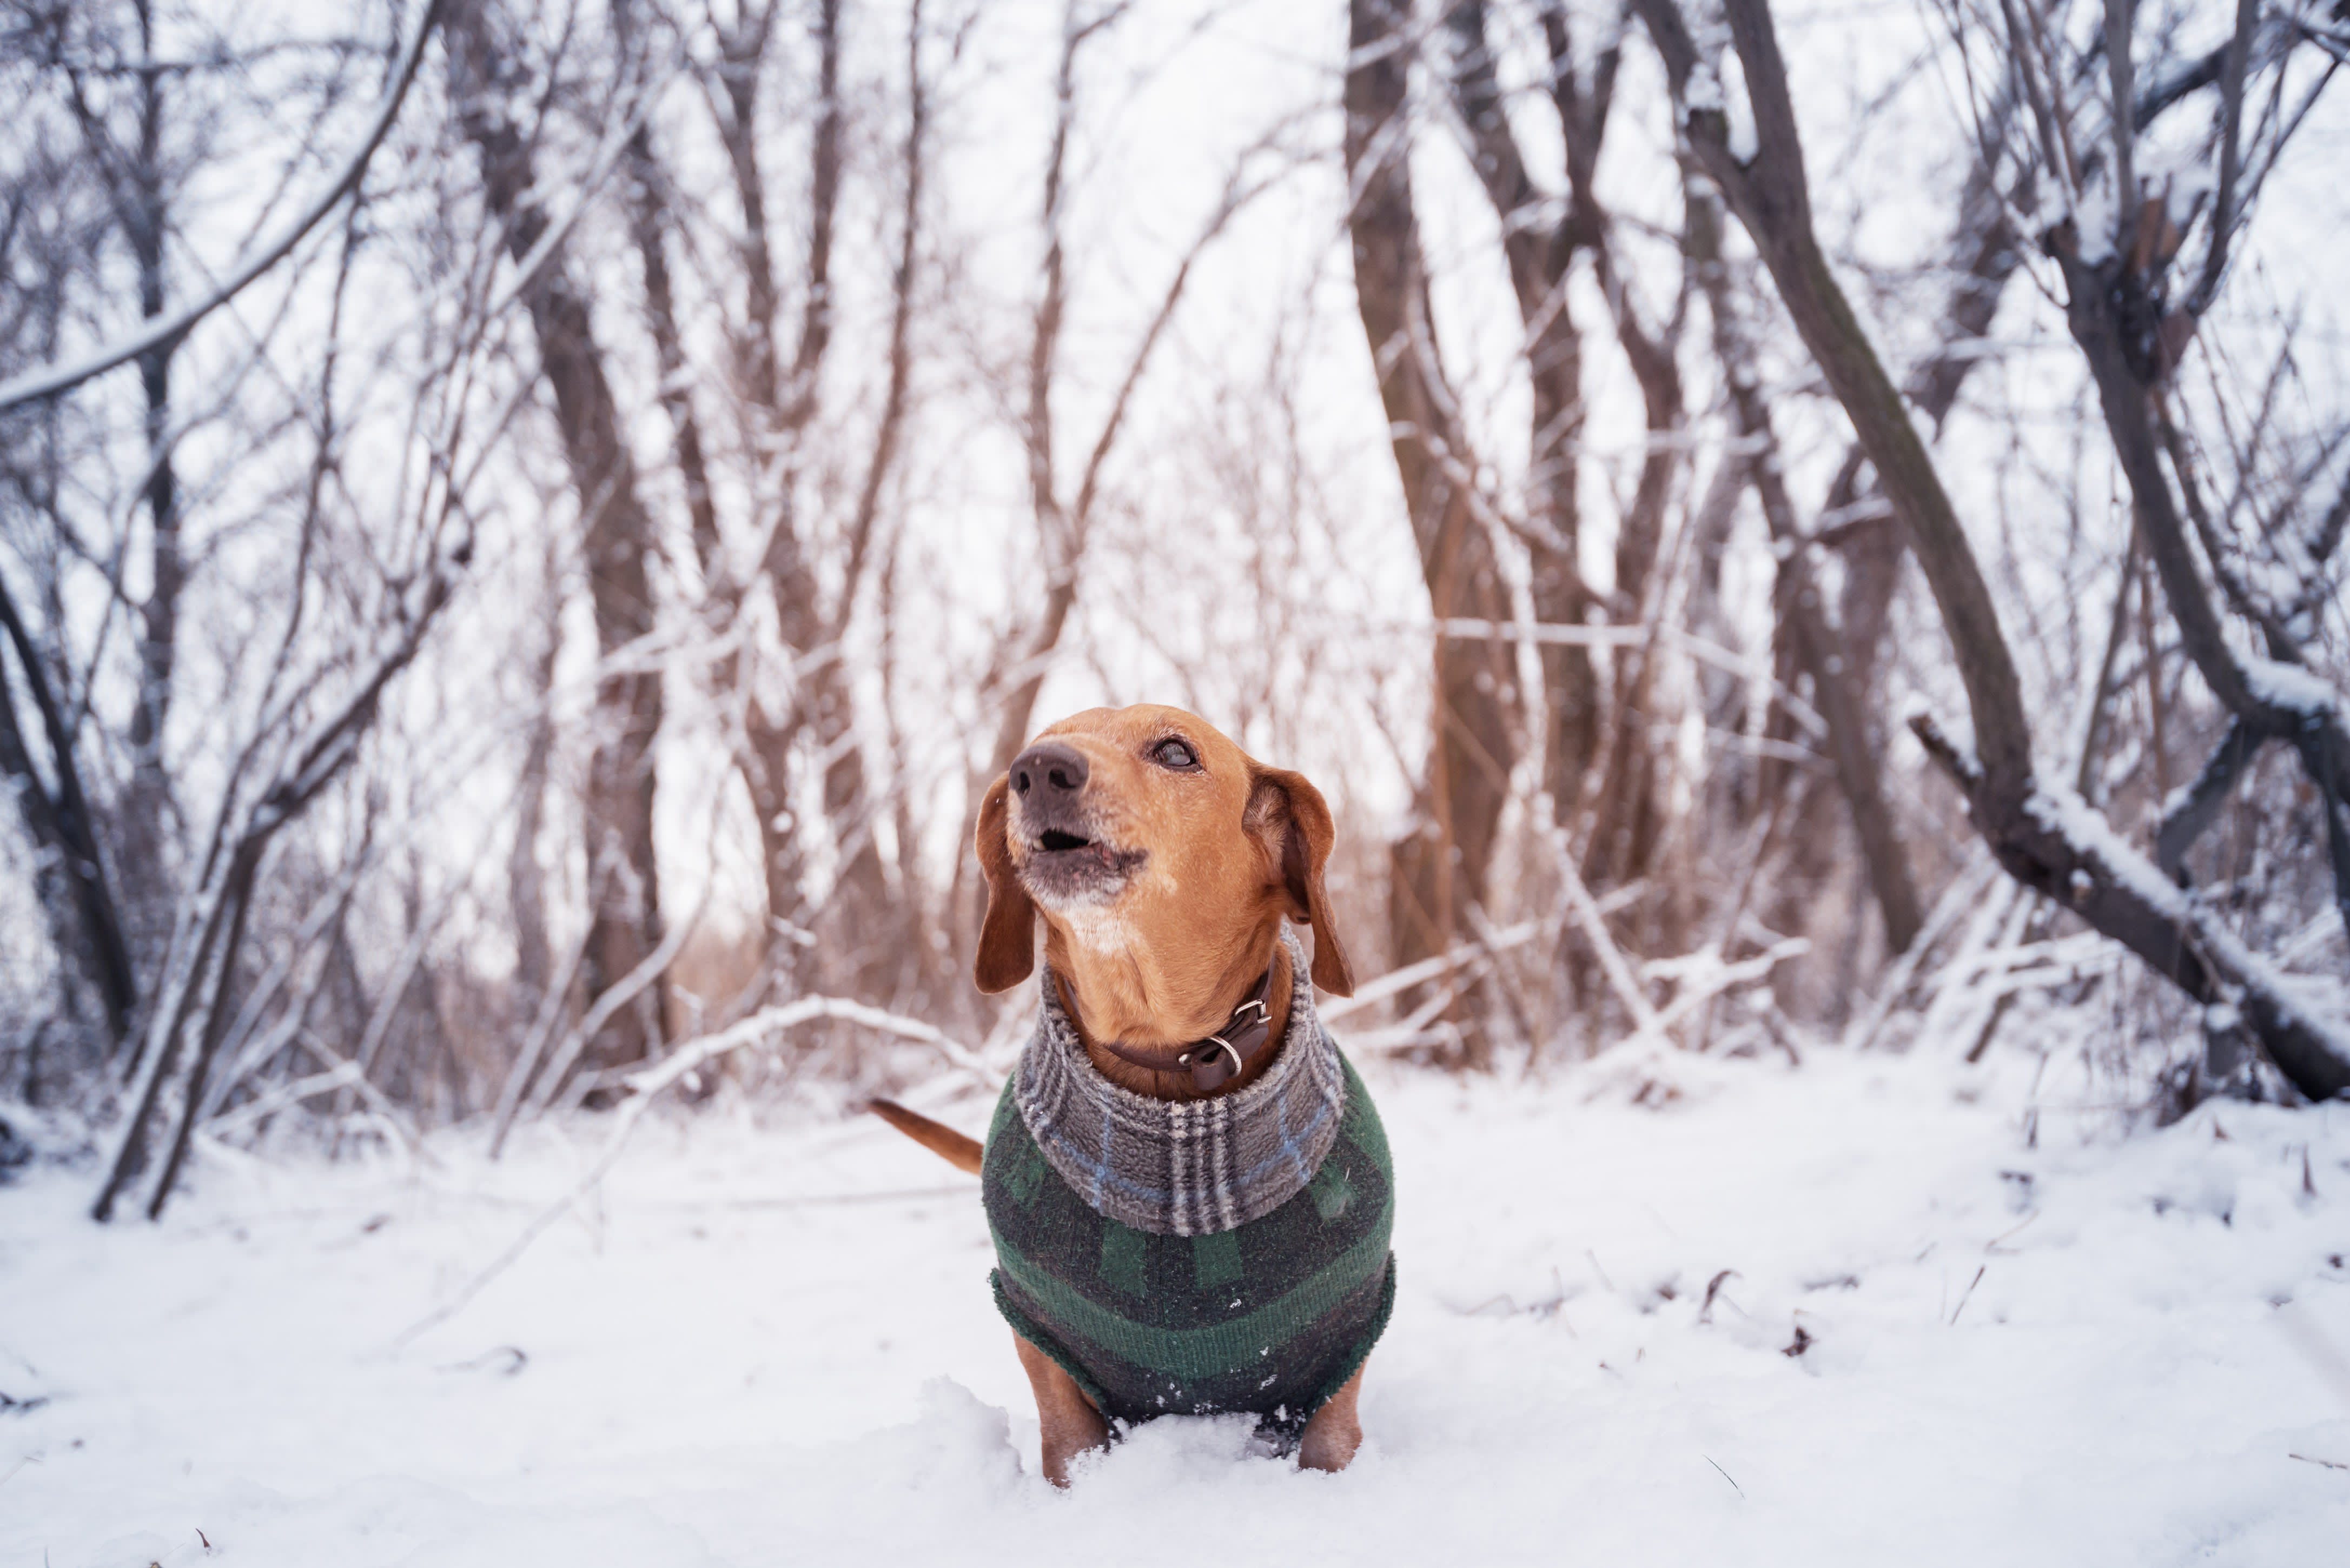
797 709
766 452
119 800
198 1003
1063 517
2044 834
488 82
1442 862
1594 755
1799 600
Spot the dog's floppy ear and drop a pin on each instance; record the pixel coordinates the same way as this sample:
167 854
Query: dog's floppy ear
1290 817
1007 937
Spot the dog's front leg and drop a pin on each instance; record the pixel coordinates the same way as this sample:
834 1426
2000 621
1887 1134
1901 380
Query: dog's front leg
1333 1434
1071 1423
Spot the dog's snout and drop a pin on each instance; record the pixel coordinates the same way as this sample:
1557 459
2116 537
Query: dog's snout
1048 771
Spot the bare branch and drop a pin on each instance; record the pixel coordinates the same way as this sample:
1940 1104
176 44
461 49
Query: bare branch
169 330
2224 214
690 1058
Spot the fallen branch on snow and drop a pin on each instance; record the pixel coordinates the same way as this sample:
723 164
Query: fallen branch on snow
645 1086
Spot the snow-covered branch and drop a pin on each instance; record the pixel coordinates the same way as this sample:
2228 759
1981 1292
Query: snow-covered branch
47 383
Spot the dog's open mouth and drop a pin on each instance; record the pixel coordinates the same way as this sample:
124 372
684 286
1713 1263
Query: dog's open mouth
1067 867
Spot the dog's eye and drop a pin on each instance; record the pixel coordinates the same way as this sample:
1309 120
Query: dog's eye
1176 754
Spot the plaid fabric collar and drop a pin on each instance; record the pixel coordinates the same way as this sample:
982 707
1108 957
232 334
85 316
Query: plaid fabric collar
1188 1168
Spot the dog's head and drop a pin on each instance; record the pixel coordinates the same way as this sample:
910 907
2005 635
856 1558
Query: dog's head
1145 831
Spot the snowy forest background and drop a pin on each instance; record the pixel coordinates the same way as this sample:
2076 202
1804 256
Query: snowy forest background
525 530
1802 543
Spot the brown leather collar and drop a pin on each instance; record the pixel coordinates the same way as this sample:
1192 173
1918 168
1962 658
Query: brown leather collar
1222 1056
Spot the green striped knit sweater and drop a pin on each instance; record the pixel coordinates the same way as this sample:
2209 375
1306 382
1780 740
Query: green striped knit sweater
1270 1317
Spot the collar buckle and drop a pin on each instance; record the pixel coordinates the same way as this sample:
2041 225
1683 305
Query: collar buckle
1200 1055
1223 1055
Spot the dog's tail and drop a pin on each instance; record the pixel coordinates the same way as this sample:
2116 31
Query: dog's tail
963 1153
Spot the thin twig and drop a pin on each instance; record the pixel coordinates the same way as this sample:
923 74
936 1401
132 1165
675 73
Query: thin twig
1968 1293
1594 926
1426 968
646 1086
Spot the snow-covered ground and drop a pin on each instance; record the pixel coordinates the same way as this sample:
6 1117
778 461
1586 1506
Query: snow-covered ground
776 1346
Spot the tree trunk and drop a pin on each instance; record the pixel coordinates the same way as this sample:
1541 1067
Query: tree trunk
818 716
1539 257
526 900
1440 867
1839 697
1629 817
84 918
625 925
148 805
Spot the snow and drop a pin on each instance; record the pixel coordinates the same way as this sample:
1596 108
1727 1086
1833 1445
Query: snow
1743 142
2092 837
1703 92
2084 828
2078 1343
2096 219
1721 89
2289 687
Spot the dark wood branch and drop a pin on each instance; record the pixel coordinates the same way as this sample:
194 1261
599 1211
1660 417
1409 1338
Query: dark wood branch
2232 586
2224 214
618 535
2025 62
901 322
2119 60
1539 252
2102 313
2323 542
2093 738
649 225
1045 341
824 203
1583 117
1656 371
61 821
2192 78
2198 807
242 871
2088 870
1493 154
741 56
792 406
2319 757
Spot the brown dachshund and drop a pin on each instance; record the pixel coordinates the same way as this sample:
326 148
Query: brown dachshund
1164 860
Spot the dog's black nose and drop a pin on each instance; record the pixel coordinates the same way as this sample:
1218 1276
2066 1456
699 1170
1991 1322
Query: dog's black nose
1048 772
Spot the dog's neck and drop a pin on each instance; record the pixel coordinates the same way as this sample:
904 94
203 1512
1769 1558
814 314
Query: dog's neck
1110 996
